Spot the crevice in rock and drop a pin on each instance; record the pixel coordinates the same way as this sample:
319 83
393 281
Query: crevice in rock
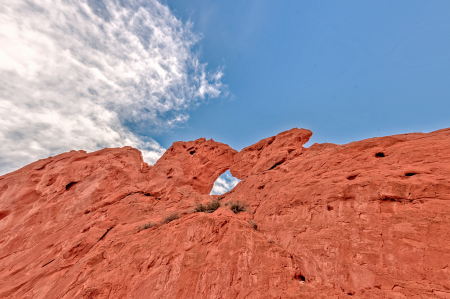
132 193
380 155
47 263
70 185
395 199
410 174
387 198
352 177
107 231
278 163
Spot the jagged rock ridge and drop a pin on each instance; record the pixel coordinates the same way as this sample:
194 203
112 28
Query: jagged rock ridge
369 219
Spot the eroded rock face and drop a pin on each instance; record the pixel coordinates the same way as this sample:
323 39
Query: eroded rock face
195 165
269 153
369 219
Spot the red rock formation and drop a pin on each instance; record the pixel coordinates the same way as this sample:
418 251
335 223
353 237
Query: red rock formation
195 164
269 153
369 219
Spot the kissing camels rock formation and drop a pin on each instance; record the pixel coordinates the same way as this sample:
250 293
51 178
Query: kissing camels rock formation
369 219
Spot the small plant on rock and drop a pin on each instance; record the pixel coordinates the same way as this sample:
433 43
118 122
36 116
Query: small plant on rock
146 226
199 208
209 208
236 207
212 206
171 217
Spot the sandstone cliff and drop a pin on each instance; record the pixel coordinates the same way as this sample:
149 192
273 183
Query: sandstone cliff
369 219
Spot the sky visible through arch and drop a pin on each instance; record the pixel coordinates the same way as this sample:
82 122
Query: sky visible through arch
88 74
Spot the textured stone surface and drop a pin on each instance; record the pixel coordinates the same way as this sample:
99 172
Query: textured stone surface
369 219
195 164
269 153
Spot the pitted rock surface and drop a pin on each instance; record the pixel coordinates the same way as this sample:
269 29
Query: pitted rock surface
369 219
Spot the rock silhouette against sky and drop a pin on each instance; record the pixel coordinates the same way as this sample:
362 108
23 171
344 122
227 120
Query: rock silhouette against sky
368 219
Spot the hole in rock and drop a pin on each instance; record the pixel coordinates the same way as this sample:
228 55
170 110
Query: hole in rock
3 214
410 174
70 185
300 277
386 198
352 177
330 208
224 183
192 152
380 155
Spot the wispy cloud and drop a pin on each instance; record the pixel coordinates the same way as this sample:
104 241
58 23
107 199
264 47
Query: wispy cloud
224 183
77 74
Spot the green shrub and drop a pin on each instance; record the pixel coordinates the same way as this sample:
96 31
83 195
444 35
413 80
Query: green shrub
212 206
199 208
209 208
236 207
171 217
146 226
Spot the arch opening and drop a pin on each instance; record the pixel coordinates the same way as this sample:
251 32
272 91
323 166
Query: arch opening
224 183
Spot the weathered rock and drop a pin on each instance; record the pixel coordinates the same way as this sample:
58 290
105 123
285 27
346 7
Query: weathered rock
195 165
269 153
370 219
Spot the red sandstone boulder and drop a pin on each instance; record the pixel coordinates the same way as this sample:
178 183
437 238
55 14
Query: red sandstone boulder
370 219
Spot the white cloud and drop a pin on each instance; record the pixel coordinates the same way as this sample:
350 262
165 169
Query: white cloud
74 74
224 183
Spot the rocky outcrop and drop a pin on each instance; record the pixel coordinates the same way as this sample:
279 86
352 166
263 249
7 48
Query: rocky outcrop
195 165
369 219
269 153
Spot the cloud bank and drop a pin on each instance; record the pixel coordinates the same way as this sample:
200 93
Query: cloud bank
77 74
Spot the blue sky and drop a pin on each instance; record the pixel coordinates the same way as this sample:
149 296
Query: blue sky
89 74
347 70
